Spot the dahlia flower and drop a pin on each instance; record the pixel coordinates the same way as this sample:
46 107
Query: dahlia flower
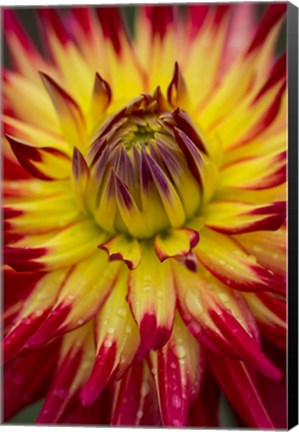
145 216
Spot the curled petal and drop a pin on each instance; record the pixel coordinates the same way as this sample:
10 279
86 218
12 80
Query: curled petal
175 243
123 248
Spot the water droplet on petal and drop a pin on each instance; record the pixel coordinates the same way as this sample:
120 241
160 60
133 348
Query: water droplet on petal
128 329
176 401
107 343
180 351
121 312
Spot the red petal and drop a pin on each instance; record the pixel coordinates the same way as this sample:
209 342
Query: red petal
100 374
161 18
135 399
27 378
272 15
240 386
204 412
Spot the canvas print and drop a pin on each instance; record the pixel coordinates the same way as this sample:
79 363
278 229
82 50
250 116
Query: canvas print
144 193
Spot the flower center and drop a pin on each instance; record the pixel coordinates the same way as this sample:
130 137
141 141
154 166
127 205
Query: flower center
147 169
140 131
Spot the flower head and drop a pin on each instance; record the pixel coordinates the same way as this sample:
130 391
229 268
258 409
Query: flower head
145 216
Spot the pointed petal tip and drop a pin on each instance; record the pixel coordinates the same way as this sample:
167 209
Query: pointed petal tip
101 373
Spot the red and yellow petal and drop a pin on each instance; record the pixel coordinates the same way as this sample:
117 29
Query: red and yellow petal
175 243
236 378
152 299
44 162
37 216
135 399
236 217
225 258
220 319
71 119
74 364
53 251
255 173
117 340
33 312
270 314
269 248
177 369
124 248
21 387
79 299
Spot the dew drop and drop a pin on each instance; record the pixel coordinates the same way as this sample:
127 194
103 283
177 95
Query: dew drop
38 312
139 414
252 258
176 401
111 330
107 343
121 312
80 321
145 388
194 304
85 365
173 365
128 329
26 321
60 393
160 294
223 296
41 296
180 351
176 423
